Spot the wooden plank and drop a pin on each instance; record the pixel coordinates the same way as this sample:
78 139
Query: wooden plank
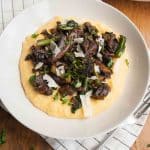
19 137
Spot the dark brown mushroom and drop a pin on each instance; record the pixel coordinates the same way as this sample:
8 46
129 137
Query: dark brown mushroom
89 67
66 90
75 103
41 85
53 30
61 54
60 81
62 40
85 45
76 33
111 42
87 27
38 54
90 47
93 47
81 90
101 91
104 71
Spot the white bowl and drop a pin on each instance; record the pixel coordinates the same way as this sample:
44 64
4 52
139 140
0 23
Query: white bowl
12 93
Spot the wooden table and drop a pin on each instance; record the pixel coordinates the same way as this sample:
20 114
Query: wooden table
21 138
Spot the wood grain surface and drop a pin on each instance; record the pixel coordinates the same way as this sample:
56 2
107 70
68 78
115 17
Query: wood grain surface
20 138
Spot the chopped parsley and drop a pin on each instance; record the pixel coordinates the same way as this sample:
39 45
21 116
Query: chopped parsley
32 79
75 103
44 42
64 100
72 23
110 63
121 46
2 136
127 62
56 96
34 35
46 69
78 84
64 27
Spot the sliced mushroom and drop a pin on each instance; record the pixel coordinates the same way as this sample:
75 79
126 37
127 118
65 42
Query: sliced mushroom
66 90
41 85
104 71
111 42
61 54
90 47
60 81
101 91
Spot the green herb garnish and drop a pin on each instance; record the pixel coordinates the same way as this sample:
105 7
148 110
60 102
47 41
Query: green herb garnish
65 27
121 46
64 100
75 103
2 136
127 62
94 32
69 103
91 82
32 79
46 69
86 83
44 42
72 23
78 84
110 63
34 35
67 74
56 96
50 53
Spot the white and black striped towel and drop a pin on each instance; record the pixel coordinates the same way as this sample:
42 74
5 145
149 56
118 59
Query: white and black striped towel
121 138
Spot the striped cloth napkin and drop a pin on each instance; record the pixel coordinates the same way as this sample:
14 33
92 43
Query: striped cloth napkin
121 138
